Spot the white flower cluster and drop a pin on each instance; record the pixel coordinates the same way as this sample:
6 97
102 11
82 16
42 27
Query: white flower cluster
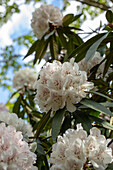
13 120
60 85
24 78
87 66
76 150
14 153
43 17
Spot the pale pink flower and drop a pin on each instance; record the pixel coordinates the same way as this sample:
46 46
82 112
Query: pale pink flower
76 149
61 85
14 153
24 78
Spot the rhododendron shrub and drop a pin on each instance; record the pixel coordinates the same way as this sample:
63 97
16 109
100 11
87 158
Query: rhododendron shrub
62 117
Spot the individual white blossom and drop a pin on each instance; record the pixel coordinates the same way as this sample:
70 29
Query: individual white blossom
76 149
45 16
87 66
13 120
14 152
24 78
3 107
61 85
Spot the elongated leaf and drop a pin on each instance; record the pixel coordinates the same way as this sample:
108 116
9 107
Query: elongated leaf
17 104
101 122
40 150
32 48
96 106
100 94
68 19
57 123
91 51
110 167
66 123
62 38
109 16
41 50
80 51
109 61
42 124
53 47
107 104
83 118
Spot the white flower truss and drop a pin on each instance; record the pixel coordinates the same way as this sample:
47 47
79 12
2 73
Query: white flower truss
13 120
61 85
77 150
45 16
87 66
14 153
24 78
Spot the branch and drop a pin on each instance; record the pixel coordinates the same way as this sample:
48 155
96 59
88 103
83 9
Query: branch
95 4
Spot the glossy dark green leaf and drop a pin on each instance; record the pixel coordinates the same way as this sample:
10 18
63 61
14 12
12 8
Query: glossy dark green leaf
57 123
68 19
109 16
101 122
66 123
96 106
17 104
32 48
83 118
40 150
54 47
110 167
91 51
41 50
62 38
100 94
109 61
80 52
42 124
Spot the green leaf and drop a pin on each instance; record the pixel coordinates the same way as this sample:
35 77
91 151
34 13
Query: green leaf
107 104
17 104
66 123
83 118
53 47
42 124
41 50
110 167
109 16
32 48
57 123
80 52
62 38
91 51
68 19
100 94
96 106
101 122
40 150
108 62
